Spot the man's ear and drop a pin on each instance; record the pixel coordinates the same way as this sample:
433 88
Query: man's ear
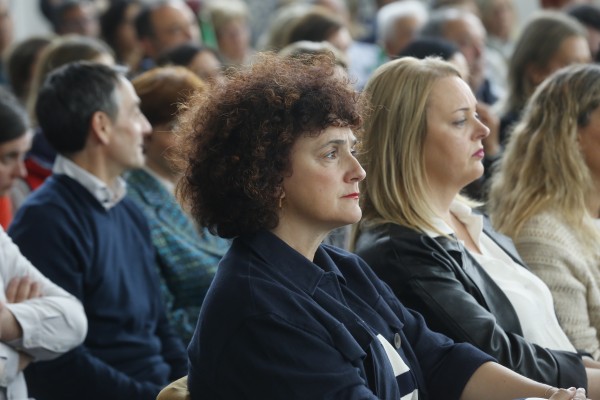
101 127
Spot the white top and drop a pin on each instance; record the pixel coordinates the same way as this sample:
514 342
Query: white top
107 196
52 324
529 295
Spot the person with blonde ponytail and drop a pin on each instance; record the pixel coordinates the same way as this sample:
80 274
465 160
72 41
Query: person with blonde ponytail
546 196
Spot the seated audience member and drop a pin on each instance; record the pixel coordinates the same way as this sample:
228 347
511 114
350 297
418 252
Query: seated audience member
20 62
287 317
552 208
549 41
229 20
15 141
84 234
398 23
276 35
318 24
499 17
163 25
465 29
438 256
201 60
589 16
38 320
62 50
339 237
117 27
426 47
76 17
187 258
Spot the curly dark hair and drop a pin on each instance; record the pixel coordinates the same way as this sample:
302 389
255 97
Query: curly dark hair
236 139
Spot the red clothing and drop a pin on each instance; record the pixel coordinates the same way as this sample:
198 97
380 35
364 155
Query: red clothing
6 212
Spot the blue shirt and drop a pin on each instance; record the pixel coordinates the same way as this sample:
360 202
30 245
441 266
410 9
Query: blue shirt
275 325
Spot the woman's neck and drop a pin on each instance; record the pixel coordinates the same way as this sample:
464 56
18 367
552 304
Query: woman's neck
165 174
441 200
305 241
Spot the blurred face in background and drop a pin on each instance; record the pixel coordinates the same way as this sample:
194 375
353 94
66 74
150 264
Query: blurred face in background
572 50
207 66
234 40
173 24
6 26
341 39
469 35
81 19
12 156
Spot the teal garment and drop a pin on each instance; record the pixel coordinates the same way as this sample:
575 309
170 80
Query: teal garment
187 258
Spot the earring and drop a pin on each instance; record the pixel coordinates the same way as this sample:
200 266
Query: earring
280 203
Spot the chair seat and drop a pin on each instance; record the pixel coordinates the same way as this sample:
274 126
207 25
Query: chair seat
176 390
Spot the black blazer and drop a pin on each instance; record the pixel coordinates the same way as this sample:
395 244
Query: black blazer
441 280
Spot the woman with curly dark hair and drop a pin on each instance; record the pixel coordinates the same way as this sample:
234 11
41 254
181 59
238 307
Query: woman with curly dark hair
269 159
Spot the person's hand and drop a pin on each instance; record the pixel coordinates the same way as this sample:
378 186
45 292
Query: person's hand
18 290
568 394
24 360
22 288
491 144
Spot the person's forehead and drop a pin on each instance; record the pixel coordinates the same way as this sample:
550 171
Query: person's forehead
465 24
125 92
170 11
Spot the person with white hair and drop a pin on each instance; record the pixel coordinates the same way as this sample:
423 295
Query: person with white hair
398 23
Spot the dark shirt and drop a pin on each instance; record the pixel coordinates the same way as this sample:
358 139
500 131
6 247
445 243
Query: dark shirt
275 325
104 258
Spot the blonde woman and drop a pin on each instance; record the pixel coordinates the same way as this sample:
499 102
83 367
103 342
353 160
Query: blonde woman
439 256
546 196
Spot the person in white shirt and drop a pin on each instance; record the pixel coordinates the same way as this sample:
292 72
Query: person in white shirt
38 319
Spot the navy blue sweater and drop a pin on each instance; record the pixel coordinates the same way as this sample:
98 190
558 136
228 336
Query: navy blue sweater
106 259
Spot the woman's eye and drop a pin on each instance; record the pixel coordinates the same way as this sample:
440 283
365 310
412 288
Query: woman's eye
460 122
331 155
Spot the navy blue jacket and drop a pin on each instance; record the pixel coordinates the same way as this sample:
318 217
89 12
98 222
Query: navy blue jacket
276 326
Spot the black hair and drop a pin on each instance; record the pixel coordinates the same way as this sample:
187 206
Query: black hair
183 54
68 99
430 46
13 117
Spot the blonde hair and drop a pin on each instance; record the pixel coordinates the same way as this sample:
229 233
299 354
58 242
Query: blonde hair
543 168
394 133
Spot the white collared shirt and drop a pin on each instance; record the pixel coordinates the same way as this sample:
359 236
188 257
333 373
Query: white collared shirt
108 197
528 294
